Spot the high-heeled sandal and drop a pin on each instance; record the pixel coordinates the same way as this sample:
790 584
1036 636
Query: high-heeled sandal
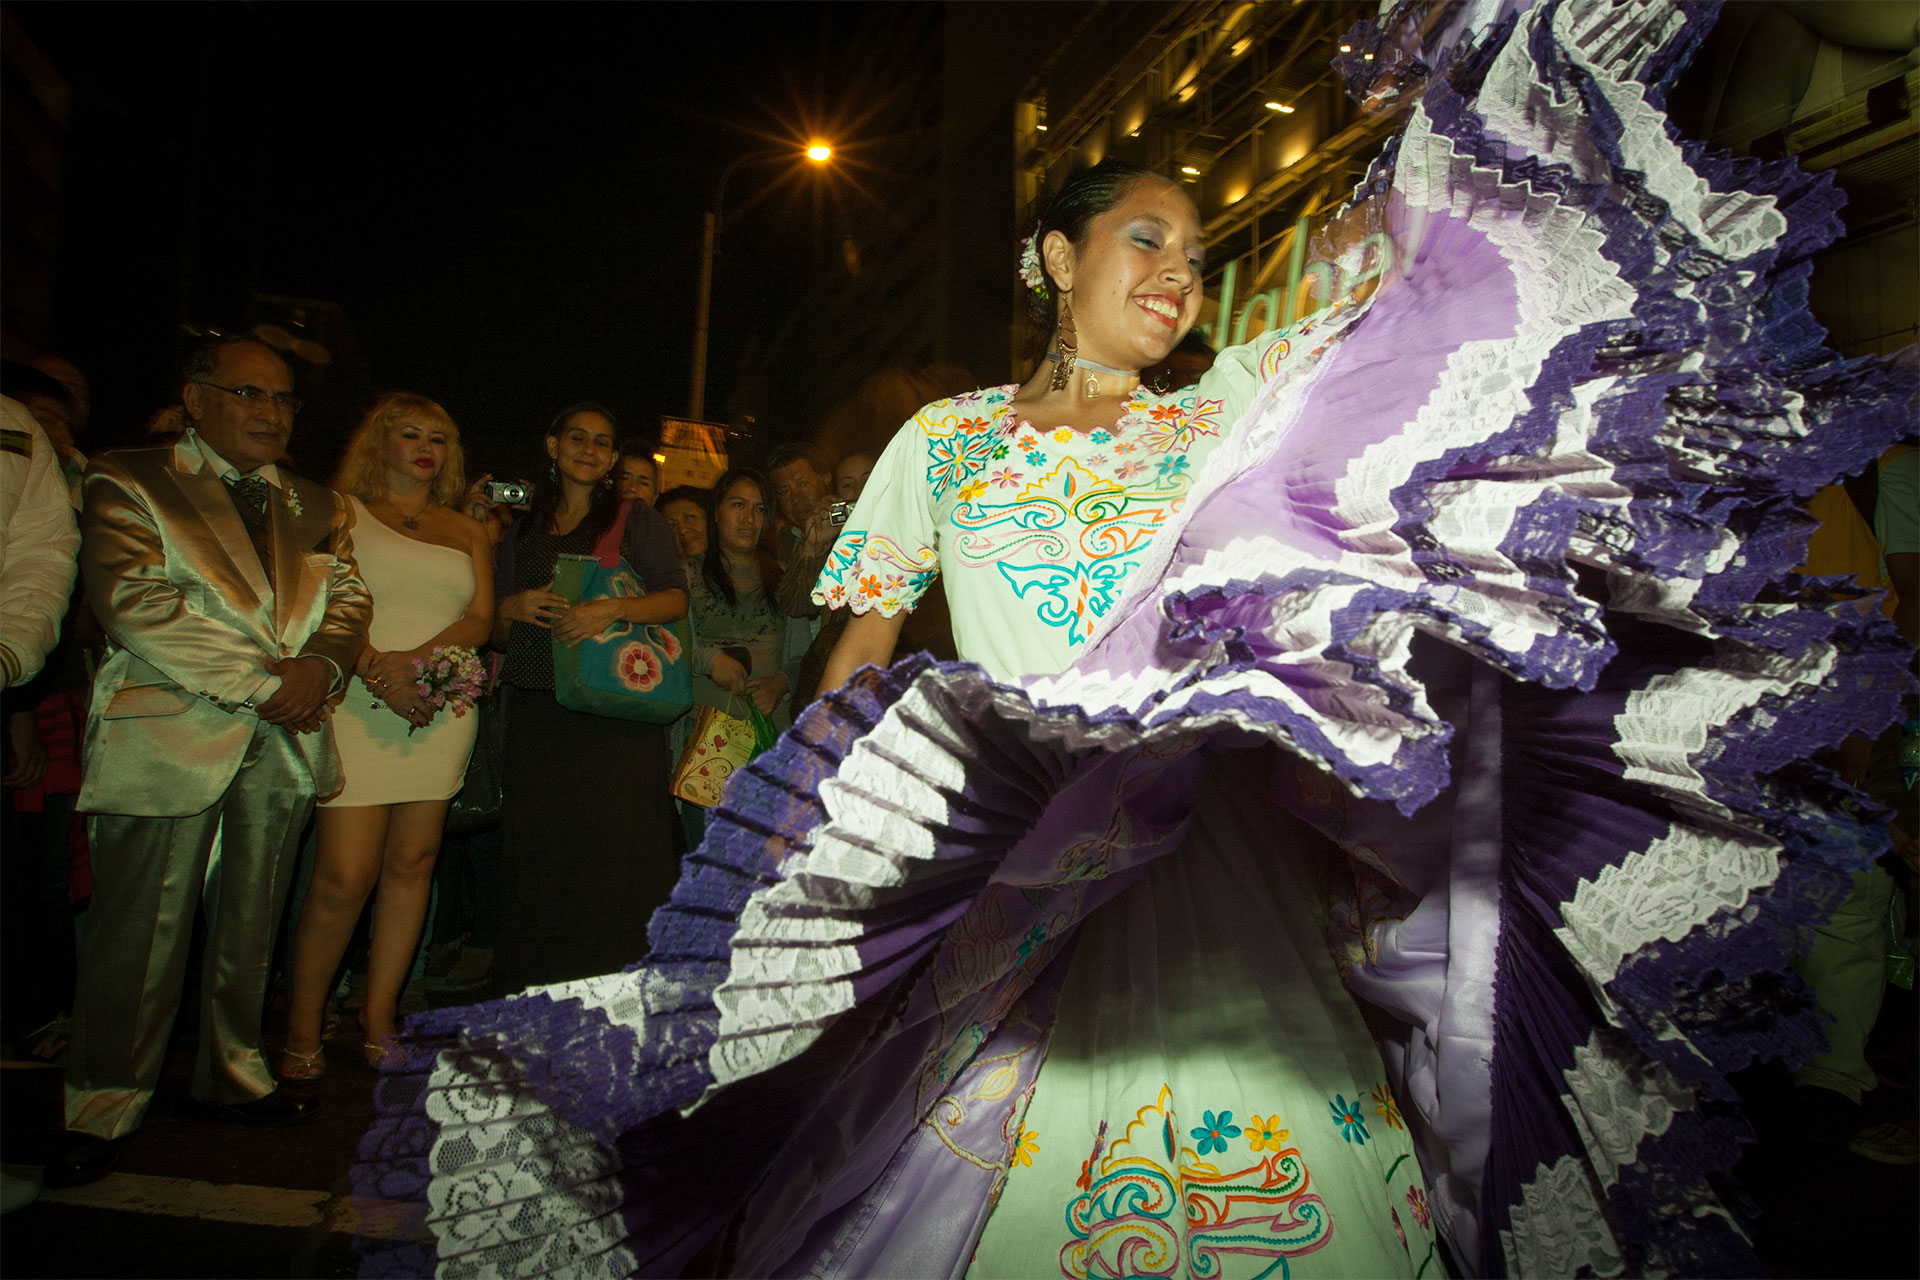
374 1055
299 1068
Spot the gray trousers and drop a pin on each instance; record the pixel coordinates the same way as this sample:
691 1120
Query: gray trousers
235 859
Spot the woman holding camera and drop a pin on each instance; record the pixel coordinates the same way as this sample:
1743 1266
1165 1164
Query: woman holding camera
586 852
430 570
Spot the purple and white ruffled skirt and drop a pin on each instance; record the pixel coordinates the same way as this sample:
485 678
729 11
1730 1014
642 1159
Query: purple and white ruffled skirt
1505 578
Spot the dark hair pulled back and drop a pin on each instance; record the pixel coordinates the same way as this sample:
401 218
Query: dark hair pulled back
606 498
1081 198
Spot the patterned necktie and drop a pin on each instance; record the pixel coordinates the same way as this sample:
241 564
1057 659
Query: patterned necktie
254 490
250 500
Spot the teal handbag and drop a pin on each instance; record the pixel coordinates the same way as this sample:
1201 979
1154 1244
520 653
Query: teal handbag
632 670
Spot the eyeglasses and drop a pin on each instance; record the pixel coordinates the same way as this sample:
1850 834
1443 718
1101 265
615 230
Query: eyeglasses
251 394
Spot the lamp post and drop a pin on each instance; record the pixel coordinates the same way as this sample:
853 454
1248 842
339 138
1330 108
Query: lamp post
819 153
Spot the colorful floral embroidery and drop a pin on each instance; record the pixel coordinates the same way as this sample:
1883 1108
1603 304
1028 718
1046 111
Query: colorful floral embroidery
951 459
1149 1207
1214 1133
1347 1115
1265 1135
1387 1107
1061 522
1025 1148
1173 428
639 667
1417 1200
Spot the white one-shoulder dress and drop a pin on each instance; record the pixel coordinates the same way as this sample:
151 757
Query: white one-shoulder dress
419 589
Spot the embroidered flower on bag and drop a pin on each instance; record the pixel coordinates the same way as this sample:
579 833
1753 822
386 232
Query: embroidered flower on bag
1035 458
1129 470
1265 1135
1213 1134
1347 1115
1025 1147
639 667
1006 478
999 451
1063 435
1100 437
972 489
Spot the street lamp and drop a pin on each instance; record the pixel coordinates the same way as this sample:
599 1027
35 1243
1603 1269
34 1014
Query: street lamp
819 153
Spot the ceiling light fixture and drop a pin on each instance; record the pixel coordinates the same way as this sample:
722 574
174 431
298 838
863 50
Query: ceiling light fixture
1284 108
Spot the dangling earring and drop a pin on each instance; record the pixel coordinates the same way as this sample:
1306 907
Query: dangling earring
553 472
606 481
1067 337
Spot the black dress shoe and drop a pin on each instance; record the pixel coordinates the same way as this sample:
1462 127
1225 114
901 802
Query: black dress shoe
278 1107
81 1158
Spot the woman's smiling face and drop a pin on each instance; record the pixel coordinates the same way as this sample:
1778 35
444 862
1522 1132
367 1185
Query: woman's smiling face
583 449
1134 277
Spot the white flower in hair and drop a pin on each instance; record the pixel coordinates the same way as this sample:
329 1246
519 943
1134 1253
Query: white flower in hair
1030 271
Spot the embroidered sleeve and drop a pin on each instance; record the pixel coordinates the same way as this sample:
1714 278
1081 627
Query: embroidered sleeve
887 557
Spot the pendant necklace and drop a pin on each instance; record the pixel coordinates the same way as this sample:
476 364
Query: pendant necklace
1092 388
410 521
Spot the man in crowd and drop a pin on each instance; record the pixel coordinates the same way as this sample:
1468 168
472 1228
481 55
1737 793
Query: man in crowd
802 489
228 591
638 473
37 545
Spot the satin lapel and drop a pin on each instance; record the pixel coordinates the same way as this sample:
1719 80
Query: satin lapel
208 495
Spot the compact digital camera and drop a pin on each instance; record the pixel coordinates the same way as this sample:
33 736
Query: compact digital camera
839 511
510 492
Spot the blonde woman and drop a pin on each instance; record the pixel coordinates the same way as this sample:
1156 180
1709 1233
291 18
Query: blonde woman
430 570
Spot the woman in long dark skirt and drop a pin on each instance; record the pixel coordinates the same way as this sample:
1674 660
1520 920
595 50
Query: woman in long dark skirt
586 848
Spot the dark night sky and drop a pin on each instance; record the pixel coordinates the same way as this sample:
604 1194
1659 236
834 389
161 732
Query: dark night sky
504 199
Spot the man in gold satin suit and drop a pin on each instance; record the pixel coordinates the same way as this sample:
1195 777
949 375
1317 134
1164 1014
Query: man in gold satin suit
228 590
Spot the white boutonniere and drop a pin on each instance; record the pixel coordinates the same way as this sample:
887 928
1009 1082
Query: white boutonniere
292 503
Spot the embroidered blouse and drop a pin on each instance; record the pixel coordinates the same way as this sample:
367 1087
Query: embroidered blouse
1035 527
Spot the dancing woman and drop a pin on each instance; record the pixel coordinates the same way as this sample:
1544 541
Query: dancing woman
1435 640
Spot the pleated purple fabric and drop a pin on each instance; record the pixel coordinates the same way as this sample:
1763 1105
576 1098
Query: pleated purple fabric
1503 574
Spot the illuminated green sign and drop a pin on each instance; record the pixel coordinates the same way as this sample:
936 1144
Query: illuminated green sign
1322 283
